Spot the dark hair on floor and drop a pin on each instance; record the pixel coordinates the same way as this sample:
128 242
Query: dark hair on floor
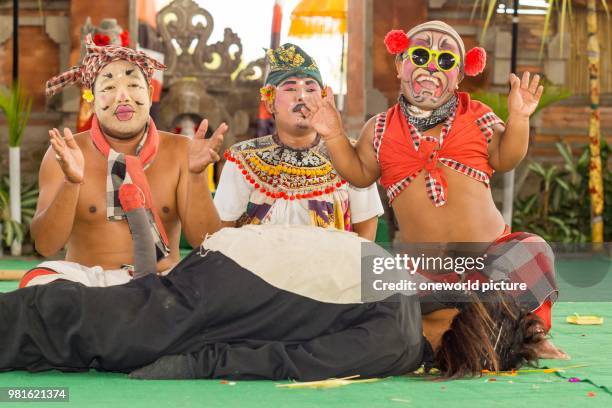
489 333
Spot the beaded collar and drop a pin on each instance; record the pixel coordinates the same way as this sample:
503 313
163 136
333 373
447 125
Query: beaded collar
279 171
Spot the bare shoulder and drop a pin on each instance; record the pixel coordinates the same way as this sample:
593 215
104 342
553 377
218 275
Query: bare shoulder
173 142
83 139
174 138
367 132
368 129
82 136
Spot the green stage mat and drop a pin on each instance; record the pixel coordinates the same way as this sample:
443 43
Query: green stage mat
18 264
588 345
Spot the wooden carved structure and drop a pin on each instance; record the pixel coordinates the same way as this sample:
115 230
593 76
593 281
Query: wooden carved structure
205 80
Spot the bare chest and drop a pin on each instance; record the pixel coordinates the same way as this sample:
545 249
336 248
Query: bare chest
163 180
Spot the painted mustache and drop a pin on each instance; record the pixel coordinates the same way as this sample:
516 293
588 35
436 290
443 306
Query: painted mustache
298 107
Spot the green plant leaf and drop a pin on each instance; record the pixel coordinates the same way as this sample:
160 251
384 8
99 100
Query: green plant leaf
16 105
563 184
29 202
560 223
9 232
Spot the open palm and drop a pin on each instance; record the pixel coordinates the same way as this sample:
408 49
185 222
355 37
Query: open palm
323 115
202 151
524 95
68 155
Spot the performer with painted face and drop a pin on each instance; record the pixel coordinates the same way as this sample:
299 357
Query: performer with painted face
287 177
435 150
82 176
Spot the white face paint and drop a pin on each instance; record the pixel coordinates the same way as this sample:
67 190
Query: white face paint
288 100
122 100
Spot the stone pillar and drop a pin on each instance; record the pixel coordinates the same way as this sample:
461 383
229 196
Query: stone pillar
354 116
57 28
133 19
502 54
556 61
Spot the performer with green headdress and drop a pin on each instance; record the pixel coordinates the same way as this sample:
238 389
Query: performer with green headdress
287 177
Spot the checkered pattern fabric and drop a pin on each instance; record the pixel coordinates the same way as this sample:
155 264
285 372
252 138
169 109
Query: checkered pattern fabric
127 169
96 58
116 176
435 183
379 130
518 257
486 123
468 171
394 189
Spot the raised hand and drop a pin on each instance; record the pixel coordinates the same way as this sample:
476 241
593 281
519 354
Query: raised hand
68 155
202 151
323 115
524 95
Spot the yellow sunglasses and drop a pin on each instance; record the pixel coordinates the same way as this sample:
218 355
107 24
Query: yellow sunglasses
421 56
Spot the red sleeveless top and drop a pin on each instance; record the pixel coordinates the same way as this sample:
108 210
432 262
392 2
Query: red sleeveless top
402 151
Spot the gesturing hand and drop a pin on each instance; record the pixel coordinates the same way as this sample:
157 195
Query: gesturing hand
68 155
202 151
323 115
524 96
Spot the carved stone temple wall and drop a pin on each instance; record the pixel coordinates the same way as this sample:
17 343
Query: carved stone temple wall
204 80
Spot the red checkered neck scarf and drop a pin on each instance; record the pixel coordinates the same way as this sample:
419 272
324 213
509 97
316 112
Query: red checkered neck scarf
124 169
96 58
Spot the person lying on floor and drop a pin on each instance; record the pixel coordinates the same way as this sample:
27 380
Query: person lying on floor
259 302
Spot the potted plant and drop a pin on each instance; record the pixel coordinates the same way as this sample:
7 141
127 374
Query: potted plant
15 105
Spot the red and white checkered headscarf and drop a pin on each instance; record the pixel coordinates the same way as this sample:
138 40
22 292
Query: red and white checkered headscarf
96 58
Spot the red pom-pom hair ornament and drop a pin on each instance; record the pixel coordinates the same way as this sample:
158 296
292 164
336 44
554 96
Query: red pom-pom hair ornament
101 40
396 41
475 61
125 38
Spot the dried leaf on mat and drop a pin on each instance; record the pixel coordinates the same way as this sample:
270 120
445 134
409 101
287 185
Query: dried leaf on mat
584 320
329 383
531 370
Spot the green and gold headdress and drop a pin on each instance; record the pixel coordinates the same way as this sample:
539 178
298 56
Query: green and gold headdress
290 60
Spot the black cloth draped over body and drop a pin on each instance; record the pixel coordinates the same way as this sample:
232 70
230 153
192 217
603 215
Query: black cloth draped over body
228 321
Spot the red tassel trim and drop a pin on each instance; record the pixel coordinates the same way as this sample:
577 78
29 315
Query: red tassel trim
282 194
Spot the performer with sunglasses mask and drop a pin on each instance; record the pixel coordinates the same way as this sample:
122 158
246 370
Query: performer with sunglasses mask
435 150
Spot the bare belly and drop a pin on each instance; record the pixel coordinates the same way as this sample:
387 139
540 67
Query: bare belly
469 214
109 245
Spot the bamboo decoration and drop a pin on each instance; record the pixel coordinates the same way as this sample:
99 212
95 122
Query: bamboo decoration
595 176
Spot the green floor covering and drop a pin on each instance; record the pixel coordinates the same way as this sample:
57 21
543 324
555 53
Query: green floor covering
18 264
590 345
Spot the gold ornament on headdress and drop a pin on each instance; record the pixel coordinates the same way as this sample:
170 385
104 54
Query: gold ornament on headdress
288 56
271 57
